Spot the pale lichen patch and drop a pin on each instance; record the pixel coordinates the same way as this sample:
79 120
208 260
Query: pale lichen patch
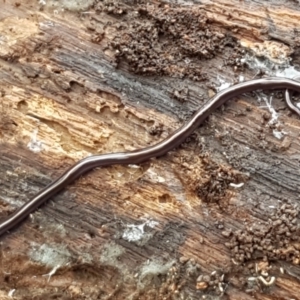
50 255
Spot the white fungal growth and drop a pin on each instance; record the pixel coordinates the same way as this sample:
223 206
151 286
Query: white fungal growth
52 272
268 101
152 269
35 145
50 255
223 84
289 72
134 233
278 134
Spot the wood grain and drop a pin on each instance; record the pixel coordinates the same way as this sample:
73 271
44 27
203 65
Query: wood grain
174 227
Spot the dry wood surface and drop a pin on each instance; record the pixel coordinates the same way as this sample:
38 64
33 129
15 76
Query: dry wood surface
217 217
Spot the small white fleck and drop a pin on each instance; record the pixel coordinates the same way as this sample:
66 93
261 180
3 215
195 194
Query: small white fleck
220 287
236 186
265 282
151 223
11 292
278 134
35 145
252 278
268 101
133 166
224 85
46 24
187 61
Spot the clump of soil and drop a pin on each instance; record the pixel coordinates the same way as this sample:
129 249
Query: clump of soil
210 180
215 181
168 41
273 240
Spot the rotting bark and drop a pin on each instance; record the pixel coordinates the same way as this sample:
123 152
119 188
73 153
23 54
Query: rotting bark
121 75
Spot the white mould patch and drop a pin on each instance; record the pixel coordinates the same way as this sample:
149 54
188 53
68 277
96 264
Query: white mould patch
274 116
135 233
110 254
223 84
270 67
35 145
152 269
51 256
52 272
289 72
152 223
279 134
263 65
276 69
258 64
268 101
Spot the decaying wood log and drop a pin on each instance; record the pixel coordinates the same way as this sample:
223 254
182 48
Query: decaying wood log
216 218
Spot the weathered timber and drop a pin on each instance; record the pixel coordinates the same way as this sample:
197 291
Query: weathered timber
216 218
